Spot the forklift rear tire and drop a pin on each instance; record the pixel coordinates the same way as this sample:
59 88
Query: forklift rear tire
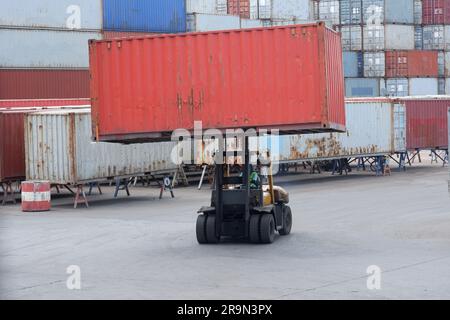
267 229
211 236
254 228
201 229
287 221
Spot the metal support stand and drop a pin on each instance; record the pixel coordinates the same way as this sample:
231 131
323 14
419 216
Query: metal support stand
80 197
92 185
8 193
121 184
379 165
166 186
205 168
361 164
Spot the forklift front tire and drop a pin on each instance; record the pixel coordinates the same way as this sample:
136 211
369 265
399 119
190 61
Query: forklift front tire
267 228
211 236
254 228
201 229
287 221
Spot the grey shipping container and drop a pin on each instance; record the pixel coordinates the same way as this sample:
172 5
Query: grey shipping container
197 22
299 10
351 37
433 37
388 11
251 23
329 12
202 6
441 63
418 11
61 14
441 86
423 86
45 48
374 127
397 87
350 11
362 87
58 148
418 37
374 64
353 64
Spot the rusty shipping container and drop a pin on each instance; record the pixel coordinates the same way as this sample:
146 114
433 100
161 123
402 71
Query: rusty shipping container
45 103
416 63
12 150
59 149
43 84
375 126
288 78
239 8
426 122
435 12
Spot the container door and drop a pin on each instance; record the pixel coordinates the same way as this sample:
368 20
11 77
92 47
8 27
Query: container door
399 128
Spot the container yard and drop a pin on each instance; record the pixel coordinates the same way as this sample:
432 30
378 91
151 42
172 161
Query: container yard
226 150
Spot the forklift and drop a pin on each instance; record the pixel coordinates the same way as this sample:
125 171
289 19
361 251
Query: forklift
242 207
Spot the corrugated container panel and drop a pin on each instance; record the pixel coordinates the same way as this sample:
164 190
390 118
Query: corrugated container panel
60 14
374 38
418 37
447 86
12 104
239 8
45 48
251 23
234 91
441 86
167 16
441 63
447 64
412 64
447 38
433 38
397 87
202 6
12 151
353 64
221 6
362 87
329 12
423 86
418 11
44 84
388 11
374 127
106 35
299 10
436 12
374 64
427 122
351 12
352 38
59 149
211 22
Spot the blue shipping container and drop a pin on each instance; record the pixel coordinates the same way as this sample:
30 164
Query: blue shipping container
159 16
353 64
362 87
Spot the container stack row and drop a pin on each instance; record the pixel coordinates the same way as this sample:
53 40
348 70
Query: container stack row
392 47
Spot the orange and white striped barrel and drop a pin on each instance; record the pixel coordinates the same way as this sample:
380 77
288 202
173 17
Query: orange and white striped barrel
36 196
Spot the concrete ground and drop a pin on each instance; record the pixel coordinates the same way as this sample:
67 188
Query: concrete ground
144 248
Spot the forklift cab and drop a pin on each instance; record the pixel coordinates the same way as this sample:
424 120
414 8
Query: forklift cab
243 208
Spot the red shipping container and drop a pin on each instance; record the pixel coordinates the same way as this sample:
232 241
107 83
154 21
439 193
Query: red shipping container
289 78
239 8
435 11
43 84
11 104
426 122
415 63
12 146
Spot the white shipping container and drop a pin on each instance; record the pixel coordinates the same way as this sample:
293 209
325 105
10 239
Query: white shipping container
447 87
374 127
300 10
251 23
397 87
58 148
329 12
197 22
423 86
59 14
202 6
45 48
351 37
433 37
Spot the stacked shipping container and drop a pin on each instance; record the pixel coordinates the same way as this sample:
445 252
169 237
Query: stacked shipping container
385 41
